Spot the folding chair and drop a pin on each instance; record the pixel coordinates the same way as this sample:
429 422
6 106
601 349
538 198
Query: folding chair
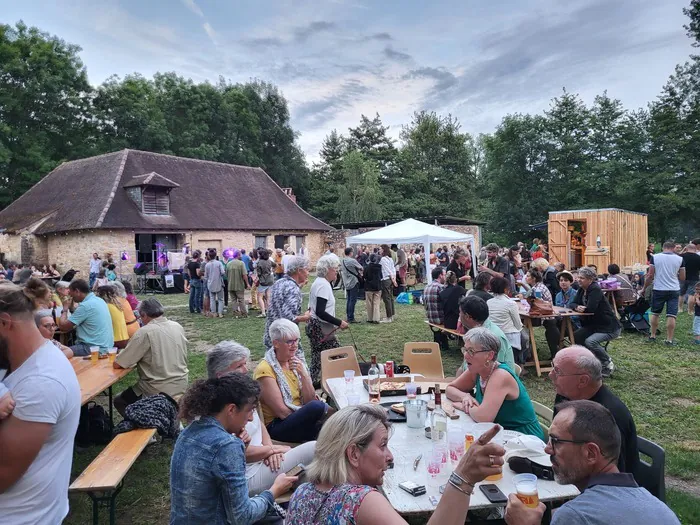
423 358
545 414
651 475
335 361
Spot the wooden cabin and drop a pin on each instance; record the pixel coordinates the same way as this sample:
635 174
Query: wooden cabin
573 236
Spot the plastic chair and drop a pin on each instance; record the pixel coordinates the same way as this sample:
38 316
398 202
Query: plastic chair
423 358
517 369
546 414
335 361
651 475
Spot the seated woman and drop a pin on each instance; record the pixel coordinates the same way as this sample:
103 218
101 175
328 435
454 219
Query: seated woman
500 396
132 324
130 297
482 285
290 409
207 469
47 327
533 279
504 313
109 295
352 455
264 460
449 299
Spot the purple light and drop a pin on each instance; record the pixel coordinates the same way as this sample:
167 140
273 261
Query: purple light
228 253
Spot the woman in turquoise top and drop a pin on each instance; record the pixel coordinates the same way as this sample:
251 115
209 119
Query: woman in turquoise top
500 396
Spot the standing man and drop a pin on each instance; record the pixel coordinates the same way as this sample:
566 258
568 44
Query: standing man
95 267
665 273
91 320
401 267
237 284
433 306
351 271
36 439
691 263
158 350
496 265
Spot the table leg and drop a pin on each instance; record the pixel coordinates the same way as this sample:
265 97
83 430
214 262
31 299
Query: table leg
571 330
533 345
562 332
111 406
614 305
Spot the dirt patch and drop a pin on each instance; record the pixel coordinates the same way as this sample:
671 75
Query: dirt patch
691 487
684 402
198 347
690 445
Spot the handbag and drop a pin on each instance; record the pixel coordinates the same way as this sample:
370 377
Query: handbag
540 307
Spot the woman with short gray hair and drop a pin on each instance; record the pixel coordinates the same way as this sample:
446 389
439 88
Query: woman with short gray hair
323 324
500 395
288 400
264 460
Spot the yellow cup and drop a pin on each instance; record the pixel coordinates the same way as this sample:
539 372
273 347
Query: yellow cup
112 354
94 353
495 477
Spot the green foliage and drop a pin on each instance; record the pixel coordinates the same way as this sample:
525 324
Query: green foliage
359 195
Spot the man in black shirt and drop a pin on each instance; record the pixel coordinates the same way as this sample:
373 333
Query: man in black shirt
496 265
691 261
576 375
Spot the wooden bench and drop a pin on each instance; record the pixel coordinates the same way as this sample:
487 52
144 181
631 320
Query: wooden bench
443 329
102 479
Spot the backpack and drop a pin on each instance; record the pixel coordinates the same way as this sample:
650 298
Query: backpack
95 427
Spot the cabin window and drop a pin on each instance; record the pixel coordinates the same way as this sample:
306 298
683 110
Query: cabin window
156 201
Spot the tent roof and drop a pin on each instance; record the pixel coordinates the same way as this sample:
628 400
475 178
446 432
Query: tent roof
409 231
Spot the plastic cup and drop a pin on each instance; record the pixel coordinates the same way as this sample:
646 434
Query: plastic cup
112 353
94 353
411 390
526 489
349 379
455 441
353 399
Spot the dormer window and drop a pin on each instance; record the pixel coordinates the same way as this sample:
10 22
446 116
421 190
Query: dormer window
151 193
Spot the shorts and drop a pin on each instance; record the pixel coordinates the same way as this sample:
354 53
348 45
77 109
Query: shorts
668 298
263 289
696 325
688 287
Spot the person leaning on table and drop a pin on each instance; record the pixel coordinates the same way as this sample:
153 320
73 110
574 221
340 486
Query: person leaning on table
352 455
584 443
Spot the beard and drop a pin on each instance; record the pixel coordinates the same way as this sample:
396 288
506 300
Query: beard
4 354
566 475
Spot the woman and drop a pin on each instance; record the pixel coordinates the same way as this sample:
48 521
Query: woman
265 274
515 265
193 269
101 280
214 278
130 297
132 324
460 266
207 469
264 460
500 396
253 280
388 283
504 313
285 297
482 285
109 295
352 455
290 409
323 324
449 299
206 311
373 288
533 279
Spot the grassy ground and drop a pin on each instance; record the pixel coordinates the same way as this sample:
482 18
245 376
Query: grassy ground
659 384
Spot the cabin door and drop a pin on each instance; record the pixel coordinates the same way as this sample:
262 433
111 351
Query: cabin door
558 241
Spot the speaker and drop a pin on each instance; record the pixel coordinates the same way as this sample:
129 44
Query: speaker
140 268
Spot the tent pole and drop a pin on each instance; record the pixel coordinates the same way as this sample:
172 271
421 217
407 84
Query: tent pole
428 272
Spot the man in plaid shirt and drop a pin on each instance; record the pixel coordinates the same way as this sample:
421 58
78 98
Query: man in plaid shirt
433 307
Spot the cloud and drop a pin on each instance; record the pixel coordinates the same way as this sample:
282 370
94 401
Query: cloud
380 36
192 6
398 56
263 42
210 32
303 33
315 113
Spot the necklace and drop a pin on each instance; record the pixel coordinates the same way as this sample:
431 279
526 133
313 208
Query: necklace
485 383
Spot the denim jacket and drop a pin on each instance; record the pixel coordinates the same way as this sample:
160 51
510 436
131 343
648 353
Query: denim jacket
208 483
567 301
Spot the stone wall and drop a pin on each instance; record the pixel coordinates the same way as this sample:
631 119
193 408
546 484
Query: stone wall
75 249
10 248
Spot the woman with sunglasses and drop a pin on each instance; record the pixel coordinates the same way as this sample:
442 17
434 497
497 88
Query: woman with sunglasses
500 396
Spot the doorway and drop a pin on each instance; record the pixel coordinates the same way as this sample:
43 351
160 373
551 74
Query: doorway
577 243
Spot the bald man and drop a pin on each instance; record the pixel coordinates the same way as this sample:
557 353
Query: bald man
577 375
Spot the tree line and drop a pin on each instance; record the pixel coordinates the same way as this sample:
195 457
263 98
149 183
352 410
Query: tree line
572 156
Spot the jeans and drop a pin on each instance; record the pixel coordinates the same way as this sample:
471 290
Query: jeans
352 300
300 426
592 340
81 349
216 301
93 277
196 297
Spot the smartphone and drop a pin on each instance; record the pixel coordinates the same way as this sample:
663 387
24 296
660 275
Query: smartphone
296 471
414 489
493 493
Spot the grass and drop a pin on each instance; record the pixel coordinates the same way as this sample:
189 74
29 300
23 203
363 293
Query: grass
659 384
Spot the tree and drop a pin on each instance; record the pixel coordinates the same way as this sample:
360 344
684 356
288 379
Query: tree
359 198
326 178
693 27
45 108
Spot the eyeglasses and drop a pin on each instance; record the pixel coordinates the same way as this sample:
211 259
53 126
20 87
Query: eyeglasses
554 440
471 352
292 342
557 372
52 325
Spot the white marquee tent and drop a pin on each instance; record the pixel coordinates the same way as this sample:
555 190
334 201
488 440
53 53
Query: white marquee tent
412 231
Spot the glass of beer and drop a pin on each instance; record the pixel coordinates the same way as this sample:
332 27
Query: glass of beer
526 489
94 354
112 354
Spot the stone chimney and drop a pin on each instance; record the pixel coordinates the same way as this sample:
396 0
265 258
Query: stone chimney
289 192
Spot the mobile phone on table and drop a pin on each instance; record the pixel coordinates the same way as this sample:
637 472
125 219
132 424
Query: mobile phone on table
493 493
296 471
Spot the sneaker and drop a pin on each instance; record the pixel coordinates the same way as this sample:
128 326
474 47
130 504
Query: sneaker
670 343
387 320
261 316
651 339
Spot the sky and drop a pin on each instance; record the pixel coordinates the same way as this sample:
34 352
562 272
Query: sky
335 60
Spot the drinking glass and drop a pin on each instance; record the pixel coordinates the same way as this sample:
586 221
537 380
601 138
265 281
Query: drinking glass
455 440
411 389
349 380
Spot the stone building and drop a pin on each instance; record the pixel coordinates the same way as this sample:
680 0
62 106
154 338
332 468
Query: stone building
137 202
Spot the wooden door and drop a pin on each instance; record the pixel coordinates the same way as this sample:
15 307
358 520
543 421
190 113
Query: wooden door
558 241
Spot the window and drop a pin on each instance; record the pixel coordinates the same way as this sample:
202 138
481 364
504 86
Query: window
261 241
300 239
155 202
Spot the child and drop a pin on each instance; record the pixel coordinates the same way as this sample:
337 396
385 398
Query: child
696 319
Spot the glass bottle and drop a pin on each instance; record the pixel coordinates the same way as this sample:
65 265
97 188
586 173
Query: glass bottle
373 381
438 421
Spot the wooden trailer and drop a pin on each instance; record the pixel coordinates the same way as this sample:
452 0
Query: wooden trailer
573 236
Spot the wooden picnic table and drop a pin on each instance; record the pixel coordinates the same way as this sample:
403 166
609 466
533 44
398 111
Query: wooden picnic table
442 328
407 443
96 378
566 328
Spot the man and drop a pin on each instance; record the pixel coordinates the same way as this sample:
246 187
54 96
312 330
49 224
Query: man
433 306
246 261
665 273
600 327
584 443
11 272
237 276
577 374
496 265
351 271
288 254
36 439
47 328
91 319
401 267
279 268
678 248
474 312
95 267
159 351
691 263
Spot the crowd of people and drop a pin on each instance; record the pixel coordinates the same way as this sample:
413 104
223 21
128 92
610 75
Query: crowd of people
243 432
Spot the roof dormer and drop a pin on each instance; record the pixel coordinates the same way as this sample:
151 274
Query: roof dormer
151 193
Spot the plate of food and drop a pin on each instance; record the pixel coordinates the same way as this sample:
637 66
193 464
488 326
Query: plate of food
392 386
395 412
